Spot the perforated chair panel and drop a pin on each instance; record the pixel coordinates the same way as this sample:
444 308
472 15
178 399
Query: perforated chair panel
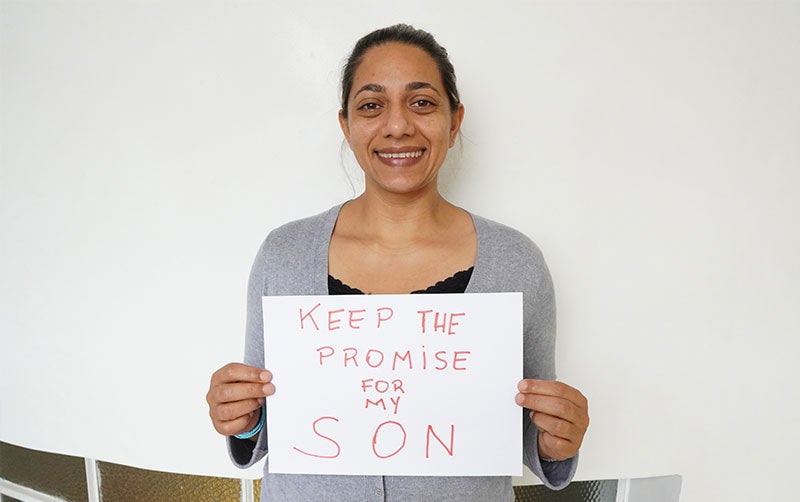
119 483
61 476
580 491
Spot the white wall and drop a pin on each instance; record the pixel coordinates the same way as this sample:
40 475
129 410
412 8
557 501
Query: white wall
650 148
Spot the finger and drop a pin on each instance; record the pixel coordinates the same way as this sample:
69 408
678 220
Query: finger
226 412
556 448
235 426
238 391
238 372
552 388
555 406
232 411
557 427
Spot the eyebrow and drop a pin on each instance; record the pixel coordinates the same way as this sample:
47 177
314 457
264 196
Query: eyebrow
414 86
371 88
411 86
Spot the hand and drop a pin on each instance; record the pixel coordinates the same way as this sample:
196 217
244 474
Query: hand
235 394
560 412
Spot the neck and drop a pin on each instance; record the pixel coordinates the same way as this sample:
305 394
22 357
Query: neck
399 220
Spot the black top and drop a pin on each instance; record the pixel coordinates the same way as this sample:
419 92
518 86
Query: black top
457 283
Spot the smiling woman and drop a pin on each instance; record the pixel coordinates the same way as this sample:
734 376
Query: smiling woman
399 125
400 115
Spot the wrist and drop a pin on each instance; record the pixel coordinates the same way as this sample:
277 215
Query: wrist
253 433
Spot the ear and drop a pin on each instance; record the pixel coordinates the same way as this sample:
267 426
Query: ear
455 123
344 125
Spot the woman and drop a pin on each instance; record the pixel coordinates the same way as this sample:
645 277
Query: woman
400 115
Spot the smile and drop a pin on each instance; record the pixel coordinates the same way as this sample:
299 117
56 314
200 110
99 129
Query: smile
401 155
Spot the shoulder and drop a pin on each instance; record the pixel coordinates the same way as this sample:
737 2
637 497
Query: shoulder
301 236
296 247
508 260
302 230
506 243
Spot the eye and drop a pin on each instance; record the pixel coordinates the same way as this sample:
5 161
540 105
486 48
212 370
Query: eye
423 106
422 103
369 107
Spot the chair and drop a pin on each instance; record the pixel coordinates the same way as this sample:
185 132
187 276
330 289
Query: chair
655 489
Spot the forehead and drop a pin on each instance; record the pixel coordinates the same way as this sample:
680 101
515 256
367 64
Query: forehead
396 63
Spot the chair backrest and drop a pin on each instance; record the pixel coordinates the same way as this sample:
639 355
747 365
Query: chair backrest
655 489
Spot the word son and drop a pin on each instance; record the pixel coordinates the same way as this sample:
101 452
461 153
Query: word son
388 439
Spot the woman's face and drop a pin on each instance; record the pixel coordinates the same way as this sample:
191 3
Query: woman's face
399 123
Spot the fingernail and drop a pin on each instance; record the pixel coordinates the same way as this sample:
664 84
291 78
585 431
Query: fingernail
519 398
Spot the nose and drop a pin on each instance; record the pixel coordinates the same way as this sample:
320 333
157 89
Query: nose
397 122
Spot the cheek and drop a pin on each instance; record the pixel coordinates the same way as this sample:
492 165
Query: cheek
438 130
360 136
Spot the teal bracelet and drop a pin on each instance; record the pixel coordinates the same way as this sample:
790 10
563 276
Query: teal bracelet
255 430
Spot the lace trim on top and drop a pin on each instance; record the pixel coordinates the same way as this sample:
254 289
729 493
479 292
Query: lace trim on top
457 283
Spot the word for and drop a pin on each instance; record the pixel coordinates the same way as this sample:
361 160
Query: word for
382 387
388 439
374 358
336 319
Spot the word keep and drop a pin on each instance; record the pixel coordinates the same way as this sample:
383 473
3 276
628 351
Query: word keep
336 319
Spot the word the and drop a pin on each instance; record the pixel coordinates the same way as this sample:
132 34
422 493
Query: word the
441 320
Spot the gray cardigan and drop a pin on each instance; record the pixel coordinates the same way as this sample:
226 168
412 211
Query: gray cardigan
293 260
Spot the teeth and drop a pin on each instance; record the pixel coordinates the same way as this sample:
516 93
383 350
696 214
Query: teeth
403 155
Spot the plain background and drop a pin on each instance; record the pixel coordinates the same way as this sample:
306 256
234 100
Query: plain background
650 149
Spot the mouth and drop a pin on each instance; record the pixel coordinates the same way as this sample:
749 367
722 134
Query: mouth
400 155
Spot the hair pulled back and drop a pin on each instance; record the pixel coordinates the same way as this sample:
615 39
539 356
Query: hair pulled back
404 34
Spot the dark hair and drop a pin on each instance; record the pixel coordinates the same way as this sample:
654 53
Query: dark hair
404 34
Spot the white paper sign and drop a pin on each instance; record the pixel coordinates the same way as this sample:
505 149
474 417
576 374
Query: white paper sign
394 384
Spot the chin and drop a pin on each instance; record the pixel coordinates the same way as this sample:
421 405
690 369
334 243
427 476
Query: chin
398 187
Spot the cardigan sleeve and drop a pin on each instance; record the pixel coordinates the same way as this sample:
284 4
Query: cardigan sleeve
539 362
244 452
510 261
